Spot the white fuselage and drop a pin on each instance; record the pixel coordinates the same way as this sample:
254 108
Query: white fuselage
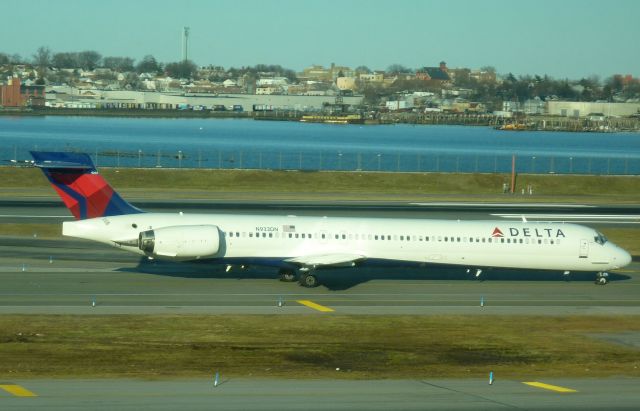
269 240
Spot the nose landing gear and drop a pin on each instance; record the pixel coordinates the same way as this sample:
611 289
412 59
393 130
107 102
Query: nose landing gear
602 278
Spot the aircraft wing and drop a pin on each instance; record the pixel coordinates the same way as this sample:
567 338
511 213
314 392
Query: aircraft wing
327 260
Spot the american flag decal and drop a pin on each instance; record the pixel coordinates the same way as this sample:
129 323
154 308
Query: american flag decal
289 228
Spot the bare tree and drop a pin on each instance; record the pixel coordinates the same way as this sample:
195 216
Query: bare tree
398 69
118 63
89 59
42 58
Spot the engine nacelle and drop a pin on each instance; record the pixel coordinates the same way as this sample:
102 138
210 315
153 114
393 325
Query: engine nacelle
186 241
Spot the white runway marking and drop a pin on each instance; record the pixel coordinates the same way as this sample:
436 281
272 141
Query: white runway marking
486 205
580 218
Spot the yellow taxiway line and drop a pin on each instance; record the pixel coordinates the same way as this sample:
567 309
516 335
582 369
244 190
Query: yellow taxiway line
17 390
550 387
315 306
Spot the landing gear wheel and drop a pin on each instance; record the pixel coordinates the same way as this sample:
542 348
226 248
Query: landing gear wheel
308 280
602 278
287 276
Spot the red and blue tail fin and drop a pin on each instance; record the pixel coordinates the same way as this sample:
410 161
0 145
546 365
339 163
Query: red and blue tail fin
85 193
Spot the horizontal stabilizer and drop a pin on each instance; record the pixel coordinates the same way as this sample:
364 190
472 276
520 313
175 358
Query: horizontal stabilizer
56 160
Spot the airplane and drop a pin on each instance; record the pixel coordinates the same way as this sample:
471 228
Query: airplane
299 246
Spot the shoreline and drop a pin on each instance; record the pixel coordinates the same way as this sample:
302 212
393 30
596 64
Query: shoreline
526 123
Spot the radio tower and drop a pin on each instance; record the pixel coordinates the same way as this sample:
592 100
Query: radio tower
185 43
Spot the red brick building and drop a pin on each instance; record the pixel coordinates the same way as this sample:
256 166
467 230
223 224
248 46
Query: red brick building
15 94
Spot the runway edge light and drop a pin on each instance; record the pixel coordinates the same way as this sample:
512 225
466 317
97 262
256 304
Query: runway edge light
491 378
216 379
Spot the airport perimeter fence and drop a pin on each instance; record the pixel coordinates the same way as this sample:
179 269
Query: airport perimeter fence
346 161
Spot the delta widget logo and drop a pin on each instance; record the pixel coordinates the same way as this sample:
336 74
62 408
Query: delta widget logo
497 233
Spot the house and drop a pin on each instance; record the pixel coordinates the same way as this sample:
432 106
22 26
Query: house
229 83
375 77
269 90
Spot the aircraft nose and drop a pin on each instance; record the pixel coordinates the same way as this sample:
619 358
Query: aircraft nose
623 258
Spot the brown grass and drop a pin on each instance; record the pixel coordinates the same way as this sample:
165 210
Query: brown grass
312 346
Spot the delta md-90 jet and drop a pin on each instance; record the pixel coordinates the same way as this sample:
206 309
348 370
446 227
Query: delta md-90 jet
299 246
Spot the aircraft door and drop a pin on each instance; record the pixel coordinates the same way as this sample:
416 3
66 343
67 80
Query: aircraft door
584 248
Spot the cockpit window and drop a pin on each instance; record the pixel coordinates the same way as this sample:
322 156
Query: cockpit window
600 238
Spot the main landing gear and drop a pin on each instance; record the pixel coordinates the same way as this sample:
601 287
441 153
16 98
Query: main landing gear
602 278
288 276
306 278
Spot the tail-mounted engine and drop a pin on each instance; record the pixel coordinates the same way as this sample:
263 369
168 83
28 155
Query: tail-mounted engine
190 241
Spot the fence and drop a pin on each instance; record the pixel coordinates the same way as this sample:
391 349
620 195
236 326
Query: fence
351 161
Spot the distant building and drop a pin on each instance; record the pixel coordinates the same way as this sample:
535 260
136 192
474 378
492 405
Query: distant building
483 76
15 94
583 109
346 83
375 77
319 73
434 73
269 90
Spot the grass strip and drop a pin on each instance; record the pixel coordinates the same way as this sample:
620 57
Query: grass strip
31 230
351 184
313 346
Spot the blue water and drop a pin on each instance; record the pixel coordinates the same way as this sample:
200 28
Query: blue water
215 143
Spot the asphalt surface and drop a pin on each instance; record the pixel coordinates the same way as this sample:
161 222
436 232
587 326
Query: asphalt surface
67 276
45 210
79 277
270 394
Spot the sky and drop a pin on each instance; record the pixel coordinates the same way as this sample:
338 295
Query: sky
561 38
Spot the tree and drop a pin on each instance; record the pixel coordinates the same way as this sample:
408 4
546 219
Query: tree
363 70
182 69
16 59
4 59
398 69
121 64
65 60
42 58
89 59
149 64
